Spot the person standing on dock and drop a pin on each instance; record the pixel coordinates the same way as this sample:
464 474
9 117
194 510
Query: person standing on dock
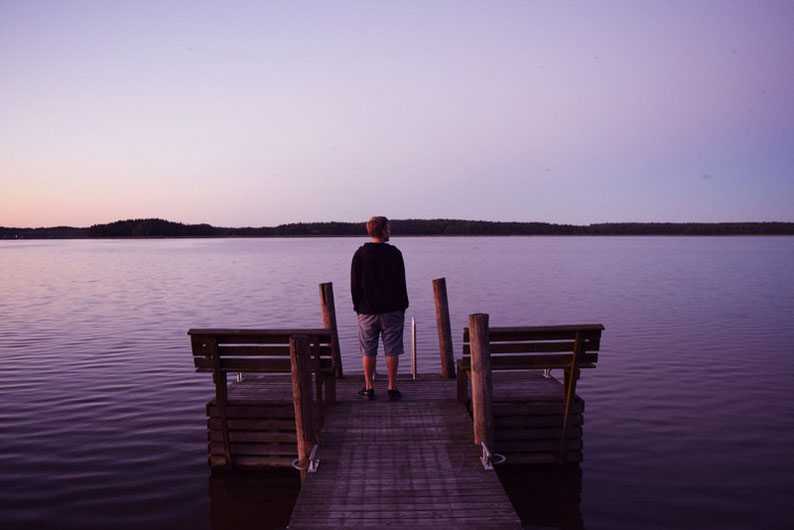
380 298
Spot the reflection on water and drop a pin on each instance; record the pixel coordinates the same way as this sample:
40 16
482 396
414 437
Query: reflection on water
689 413
252 499
547 496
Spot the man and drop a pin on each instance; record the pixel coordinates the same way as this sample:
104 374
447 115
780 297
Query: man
380 297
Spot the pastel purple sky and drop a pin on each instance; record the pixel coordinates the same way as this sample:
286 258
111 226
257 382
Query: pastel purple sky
260 113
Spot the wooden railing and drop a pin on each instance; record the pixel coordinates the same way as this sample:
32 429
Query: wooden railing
264 351
486 349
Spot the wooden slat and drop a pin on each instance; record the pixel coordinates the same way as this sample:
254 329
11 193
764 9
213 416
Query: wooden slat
515 422
270 334
254 425
524 433
462 504
234 364
540 332
534 362
264 411
531 347
248 364
253 449
254 437
407 515
201 338
521 407
541 458
266 350
535 446
253 462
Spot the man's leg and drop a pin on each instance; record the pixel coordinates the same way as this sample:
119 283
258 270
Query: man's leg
369 370
368 332
392 362
393 324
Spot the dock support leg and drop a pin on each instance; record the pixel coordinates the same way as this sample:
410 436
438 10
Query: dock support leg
444 328
329 321
221 393
300 364
462 385
571 375
481 383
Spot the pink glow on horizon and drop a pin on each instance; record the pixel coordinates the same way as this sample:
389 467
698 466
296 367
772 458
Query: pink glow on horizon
253 114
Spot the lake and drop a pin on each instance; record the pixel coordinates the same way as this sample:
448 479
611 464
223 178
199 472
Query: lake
689 422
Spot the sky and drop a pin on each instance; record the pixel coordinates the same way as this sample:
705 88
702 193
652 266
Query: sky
257 113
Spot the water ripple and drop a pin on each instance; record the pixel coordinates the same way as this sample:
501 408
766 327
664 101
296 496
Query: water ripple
104 414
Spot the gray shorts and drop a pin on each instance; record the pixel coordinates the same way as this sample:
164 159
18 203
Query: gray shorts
387 325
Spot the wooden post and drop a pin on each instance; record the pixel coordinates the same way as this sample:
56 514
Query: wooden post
300 364
571 375
462 387
329 321
481 386
219 378
444 330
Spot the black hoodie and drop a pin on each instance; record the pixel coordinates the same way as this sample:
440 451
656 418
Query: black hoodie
377 279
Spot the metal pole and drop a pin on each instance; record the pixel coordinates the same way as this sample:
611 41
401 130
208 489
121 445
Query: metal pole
413 348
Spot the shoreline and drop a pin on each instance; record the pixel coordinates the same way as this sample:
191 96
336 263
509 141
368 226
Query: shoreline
160 228
401 236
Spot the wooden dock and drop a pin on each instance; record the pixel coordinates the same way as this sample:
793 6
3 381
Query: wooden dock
411 462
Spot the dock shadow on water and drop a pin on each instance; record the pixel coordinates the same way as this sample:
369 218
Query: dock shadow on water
252 499
545 496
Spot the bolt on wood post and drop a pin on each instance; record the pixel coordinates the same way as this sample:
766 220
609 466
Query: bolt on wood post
329 321
481 384
300 364
444 329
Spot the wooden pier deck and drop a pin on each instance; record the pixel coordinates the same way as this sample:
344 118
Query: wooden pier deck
411 463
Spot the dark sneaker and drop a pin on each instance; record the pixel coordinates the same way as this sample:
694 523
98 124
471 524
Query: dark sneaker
367 394
394 395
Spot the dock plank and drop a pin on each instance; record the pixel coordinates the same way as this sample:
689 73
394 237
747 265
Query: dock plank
406 463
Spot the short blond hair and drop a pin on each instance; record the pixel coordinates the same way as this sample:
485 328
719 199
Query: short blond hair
376 226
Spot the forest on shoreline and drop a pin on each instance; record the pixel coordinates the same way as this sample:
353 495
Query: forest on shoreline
405 227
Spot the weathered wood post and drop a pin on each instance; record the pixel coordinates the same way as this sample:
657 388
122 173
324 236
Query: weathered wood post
300 365
481 386
221 393
329 321
571 375
444 329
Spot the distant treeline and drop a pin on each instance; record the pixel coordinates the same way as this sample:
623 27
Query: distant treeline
54 232
424 227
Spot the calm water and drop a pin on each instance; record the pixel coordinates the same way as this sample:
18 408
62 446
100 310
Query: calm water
690 417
